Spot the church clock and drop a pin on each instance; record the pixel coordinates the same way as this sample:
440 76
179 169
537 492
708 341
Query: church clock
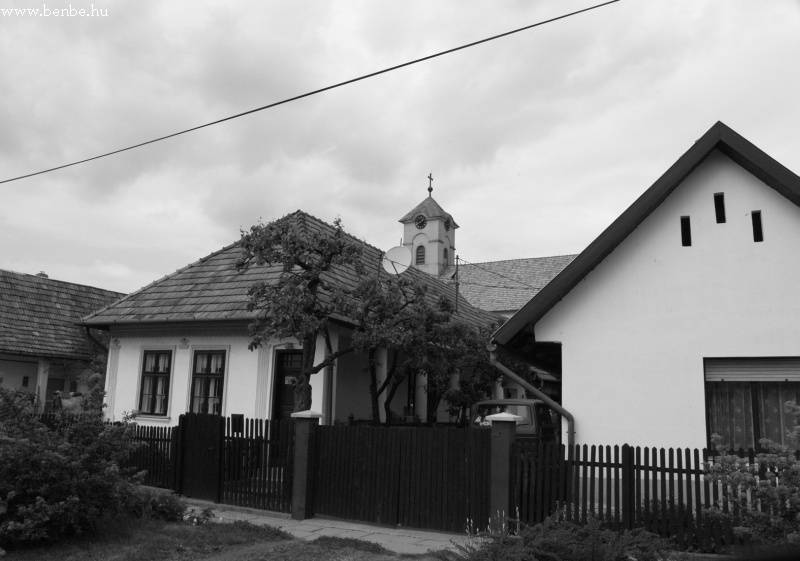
420 221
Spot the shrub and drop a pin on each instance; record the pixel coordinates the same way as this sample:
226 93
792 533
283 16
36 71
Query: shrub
764 496
57 480
153 504
557 539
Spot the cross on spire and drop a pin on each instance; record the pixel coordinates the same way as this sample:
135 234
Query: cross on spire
430 184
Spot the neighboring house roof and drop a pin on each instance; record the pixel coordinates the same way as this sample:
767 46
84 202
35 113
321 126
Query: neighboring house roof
505 285
212 289
719 137
431 209
38 315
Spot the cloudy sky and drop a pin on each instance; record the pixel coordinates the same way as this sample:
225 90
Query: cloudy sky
536 141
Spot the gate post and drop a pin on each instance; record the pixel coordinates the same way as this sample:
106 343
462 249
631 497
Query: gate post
305 427
501 468
178 454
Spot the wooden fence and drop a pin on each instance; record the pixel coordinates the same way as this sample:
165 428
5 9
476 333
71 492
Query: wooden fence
258 462
155 453
413 477
663 491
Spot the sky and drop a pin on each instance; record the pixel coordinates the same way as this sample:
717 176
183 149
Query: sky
536 141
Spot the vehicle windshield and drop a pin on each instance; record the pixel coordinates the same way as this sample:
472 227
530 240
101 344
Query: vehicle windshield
484 411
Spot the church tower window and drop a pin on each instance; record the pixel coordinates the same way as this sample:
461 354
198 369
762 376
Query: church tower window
420 255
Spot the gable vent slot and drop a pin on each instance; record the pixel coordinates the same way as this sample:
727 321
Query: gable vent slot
719 207
758 232
686 231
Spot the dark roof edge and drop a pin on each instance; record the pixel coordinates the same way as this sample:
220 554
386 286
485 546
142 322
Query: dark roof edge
719 136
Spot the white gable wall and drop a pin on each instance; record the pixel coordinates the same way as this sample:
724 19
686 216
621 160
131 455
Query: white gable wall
635 331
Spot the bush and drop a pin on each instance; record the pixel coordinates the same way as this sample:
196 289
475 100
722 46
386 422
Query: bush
57 480
153 504
763 497
559 540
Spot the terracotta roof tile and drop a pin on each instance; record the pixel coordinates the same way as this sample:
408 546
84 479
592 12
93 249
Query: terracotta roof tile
38 315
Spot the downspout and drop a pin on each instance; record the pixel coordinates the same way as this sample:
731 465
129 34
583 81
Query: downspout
95 341
492 348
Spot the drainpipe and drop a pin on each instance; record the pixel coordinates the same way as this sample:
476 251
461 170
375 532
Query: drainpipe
492 348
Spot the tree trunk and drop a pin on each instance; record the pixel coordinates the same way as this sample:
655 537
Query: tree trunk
302 391
373 387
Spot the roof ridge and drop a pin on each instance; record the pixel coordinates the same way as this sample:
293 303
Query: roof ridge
50 280
573 255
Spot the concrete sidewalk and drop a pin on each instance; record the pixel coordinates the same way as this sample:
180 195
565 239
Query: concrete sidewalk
398 540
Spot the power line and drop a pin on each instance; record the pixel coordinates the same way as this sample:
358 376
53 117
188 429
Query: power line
308 94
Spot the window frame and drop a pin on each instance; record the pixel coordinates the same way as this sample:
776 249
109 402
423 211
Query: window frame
155 349
223 376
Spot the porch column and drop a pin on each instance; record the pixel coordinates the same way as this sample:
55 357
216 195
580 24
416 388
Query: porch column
111 378
42 374
421 397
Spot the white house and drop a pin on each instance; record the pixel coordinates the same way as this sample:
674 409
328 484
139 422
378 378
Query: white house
682 319
181 344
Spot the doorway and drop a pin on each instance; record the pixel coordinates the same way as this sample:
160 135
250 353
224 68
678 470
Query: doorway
287 369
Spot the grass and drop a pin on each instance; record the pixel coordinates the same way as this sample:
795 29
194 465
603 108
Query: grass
125 539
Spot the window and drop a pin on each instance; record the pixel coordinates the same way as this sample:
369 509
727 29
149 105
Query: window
446 260
686 231
156 368
719 207
207 378
758 232
420 255
745 399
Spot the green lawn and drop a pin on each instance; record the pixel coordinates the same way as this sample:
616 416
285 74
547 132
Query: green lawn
125 539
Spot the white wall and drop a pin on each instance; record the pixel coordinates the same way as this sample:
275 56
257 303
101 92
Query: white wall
635 331
247 387
123 378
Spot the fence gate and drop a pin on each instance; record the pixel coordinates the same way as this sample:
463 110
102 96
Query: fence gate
201 455
414 477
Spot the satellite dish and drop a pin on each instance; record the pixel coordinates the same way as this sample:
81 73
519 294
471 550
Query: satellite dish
396 260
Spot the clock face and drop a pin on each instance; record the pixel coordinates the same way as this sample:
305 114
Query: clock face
420 221
447 225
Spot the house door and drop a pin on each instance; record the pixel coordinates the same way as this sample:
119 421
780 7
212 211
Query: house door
288 364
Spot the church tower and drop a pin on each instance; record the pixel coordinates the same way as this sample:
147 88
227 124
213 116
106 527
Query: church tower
429 233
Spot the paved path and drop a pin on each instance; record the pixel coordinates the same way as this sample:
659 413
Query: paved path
398 540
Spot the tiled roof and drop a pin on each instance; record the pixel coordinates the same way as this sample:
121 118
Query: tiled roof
431 209
211 289
38 314
499 286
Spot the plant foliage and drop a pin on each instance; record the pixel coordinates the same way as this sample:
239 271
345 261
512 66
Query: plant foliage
763 497
557 539
421 333
59 478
